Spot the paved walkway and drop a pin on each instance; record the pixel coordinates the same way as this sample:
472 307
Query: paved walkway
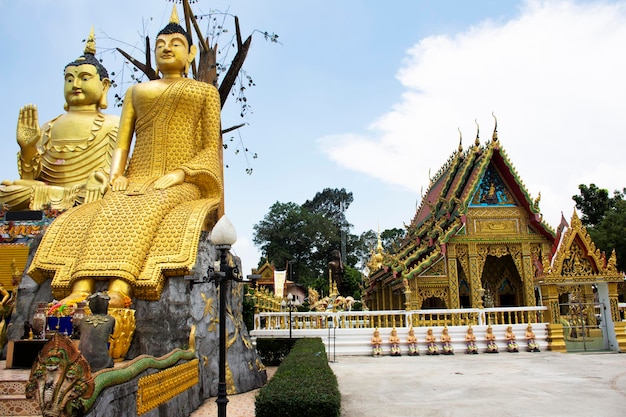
504 384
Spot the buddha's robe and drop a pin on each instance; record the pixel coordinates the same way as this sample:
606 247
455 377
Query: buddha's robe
143 234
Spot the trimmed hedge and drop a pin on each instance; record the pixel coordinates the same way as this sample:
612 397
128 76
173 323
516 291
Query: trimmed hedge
273 351
303 386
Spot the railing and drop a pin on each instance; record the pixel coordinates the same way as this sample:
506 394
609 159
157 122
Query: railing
400 318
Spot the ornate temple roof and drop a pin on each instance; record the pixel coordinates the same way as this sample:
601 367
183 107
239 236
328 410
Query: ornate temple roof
577 258
478 176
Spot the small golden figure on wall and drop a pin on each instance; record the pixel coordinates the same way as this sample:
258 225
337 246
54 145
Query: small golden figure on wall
470 341
377 344
511 344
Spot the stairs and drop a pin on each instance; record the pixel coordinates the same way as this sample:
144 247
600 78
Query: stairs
13 402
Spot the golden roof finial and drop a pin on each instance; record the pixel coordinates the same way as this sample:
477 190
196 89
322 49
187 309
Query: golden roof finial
90 45
477 141
174 16
460 140
494 137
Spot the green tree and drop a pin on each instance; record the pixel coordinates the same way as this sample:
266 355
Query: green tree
605 219
304 235
391 238
290 232
332 204
593 202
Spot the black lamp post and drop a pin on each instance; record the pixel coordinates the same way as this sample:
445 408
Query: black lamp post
223 236
291 304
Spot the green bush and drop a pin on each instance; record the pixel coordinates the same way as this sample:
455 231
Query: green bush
273 351
303 386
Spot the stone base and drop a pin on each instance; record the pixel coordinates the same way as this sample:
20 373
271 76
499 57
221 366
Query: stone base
164 325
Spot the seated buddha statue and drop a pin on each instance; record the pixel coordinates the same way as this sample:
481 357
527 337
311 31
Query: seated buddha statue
470 341
490 338
411 341
377 344
531 344
148 224
509 336
446 342
431 343
66 161
394 343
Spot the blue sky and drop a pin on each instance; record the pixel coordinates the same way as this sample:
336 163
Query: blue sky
367 96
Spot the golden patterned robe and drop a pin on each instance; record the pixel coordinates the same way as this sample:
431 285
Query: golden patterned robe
142 234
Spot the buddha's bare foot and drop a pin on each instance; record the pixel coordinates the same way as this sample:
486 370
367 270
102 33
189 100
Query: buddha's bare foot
120 292
118 299
75 297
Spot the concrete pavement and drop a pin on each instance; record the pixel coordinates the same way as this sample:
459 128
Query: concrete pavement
503 384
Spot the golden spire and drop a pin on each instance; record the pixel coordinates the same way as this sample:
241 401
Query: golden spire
90 45
494 137
174 16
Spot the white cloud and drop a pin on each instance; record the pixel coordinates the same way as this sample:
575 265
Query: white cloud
554 77
244 248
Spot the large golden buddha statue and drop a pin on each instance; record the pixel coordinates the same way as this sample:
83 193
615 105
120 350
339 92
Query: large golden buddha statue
66 161
148 224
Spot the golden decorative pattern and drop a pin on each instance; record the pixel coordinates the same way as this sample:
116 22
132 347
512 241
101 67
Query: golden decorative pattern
494 227
499 213
437 269
122 333
462 256
578 259
13 256
160 387
441 293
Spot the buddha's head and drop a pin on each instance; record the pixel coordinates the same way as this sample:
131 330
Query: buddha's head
174 50
86 80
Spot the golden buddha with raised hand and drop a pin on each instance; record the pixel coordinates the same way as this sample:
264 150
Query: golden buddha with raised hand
148 224
66 161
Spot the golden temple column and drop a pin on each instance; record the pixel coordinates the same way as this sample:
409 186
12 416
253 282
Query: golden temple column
528 276
550 297
453 278
474 276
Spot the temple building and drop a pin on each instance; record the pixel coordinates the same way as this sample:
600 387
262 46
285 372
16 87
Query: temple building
478 241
